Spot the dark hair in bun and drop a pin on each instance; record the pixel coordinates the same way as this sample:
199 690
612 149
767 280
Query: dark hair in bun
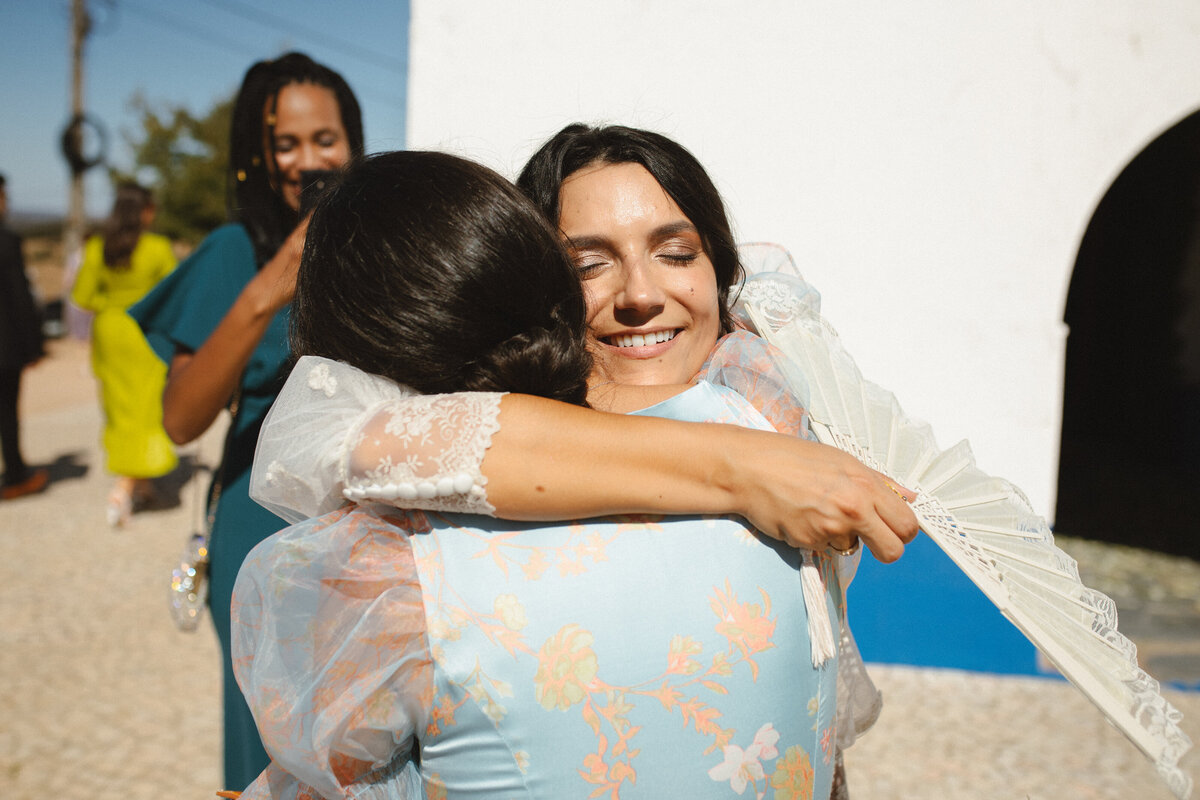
436 272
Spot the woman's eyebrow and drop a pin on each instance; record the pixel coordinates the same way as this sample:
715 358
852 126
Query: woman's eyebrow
587 242
598 242
672 228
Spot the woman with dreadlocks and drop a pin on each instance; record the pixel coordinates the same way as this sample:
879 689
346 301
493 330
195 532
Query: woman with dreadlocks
220 320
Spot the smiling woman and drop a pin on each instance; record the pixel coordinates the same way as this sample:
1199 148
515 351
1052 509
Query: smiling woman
220 319
304 132
653 308
551 461
367 635
648 232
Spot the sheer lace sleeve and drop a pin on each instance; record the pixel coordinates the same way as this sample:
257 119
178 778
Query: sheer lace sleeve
337 433
330 650
424 452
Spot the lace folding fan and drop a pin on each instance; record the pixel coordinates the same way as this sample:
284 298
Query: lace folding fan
983 523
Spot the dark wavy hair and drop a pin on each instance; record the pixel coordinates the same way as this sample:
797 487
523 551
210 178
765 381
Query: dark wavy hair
436 272
123 227
253 202
677 171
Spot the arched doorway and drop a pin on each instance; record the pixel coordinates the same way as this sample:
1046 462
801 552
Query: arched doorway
1129 469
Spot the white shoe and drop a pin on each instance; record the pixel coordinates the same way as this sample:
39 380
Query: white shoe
120 507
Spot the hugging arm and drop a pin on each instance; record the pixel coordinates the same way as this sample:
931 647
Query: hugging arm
201 383
339 433
591 463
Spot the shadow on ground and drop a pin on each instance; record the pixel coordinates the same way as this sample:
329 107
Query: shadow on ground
176 488
67 467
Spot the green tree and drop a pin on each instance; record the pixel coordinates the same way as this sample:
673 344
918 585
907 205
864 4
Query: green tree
184 159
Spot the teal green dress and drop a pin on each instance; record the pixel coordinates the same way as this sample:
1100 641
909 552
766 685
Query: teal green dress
180 314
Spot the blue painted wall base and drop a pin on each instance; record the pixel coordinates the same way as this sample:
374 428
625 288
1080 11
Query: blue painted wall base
923 611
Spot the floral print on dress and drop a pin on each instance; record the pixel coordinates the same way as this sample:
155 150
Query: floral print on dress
569 671
566 668
615 658
793 776
744 768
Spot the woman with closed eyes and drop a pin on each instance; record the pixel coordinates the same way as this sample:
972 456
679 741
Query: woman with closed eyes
393 654
648 235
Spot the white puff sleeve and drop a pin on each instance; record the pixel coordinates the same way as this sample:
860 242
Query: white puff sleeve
336 433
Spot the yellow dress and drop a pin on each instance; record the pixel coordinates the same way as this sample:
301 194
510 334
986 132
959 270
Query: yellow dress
131 377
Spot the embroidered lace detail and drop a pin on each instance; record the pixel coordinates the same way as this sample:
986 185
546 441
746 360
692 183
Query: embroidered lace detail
778 304
425 452
306 463
777 300
320 379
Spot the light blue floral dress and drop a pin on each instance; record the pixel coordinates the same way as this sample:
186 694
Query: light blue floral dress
394 654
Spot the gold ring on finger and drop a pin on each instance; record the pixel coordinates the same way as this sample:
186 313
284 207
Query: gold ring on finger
854 548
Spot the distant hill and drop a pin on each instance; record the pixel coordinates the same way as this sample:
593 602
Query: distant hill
45 223
36 223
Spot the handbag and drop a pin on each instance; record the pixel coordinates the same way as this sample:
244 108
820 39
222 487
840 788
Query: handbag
187 592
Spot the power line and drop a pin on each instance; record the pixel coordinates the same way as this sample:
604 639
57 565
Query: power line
250 52
347 48
189 28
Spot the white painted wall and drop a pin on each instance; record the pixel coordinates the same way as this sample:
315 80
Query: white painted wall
931 164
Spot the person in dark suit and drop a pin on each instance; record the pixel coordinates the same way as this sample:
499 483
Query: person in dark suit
20 346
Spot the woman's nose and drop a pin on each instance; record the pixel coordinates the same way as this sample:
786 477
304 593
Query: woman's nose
641 297
309 158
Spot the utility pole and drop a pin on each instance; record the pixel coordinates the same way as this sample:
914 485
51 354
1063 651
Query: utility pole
81 25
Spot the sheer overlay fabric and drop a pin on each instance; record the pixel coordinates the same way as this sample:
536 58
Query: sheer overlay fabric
337 433
399 654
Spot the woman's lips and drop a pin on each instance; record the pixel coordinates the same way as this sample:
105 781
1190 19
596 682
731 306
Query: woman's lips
648 339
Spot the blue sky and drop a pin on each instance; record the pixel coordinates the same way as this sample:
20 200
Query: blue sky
175 52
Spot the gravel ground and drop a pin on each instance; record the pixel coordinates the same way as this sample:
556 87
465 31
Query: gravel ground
100 697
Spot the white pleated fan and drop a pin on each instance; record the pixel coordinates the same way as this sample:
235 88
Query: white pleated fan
985 524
